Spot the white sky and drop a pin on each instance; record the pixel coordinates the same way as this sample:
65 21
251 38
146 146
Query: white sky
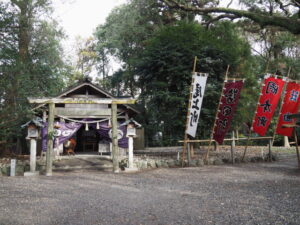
81 17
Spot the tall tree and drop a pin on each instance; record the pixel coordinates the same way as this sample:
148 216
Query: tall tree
30 59
165 75
124 33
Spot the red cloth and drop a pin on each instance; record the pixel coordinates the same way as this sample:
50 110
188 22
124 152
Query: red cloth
229 101
268 101
290 106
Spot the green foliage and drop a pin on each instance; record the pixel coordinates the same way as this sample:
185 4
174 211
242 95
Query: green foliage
165 74
124 35
30 61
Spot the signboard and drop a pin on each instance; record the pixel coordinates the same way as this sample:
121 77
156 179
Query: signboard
290 106
230 97
196 102
267 104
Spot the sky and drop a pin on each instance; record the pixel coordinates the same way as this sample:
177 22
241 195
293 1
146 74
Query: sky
81 17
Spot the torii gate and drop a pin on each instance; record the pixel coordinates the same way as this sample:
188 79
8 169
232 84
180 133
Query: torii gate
51 104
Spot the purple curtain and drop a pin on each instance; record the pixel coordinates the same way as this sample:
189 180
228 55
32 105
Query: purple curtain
105 133
64 133
67 130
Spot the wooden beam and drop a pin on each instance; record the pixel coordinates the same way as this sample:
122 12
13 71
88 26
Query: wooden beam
82 100
227 139
75 112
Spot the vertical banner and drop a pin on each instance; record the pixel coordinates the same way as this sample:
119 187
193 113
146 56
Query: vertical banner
196 102
227 108
267 104
290 106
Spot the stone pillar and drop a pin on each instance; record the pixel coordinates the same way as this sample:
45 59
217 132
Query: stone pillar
32 154
32 171
286 142
233 140
130 152
13 163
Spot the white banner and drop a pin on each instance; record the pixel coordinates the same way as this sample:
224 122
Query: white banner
196 102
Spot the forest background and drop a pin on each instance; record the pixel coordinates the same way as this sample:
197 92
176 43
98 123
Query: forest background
154 42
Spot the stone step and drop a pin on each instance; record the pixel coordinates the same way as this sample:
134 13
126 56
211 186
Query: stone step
83 163
78 168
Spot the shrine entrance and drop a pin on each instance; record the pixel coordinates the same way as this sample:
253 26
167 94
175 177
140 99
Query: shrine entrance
87 141
88 105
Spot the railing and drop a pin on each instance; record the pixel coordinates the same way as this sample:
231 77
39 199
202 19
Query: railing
190 144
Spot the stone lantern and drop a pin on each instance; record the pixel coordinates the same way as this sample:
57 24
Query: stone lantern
32 135
131 133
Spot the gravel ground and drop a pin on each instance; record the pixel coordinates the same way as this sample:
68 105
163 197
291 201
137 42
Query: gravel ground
253 193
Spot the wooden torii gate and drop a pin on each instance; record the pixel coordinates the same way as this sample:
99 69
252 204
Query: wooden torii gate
51 104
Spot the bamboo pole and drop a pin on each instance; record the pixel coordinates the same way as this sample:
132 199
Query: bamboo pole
281 104
218 108
250 131
188 112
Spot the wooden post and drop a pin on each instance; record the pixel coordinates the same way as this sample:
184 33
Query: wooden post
192 151
115 149
186 138
49 152
232 151
270 149
189 153
232 147
297 147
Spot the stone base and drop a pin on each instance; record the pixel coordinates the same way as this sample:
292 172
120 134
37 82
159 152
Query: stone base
31 174
129 170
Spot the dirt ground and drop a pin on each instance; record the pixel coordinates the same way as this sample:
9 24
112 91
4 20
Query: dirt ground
250 193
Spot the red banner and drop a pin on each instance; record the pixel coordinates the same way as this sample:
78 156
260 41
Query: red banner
290 106
268 101
228 103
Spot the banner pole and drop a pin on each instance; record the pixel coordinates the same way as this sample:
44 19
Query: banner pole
285 85
186 138
218 108
250 131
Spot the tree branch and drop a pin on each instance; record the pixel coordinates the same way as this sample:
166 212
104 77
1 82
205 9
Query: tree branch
287 23
282 7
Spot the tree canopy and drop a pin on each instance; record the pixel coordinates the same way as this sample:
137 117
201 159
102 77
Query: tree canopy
279 13
164 73
31 61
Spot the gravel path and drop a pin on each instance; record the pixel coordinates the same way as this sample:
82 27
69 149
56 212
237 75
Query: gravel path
260 193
